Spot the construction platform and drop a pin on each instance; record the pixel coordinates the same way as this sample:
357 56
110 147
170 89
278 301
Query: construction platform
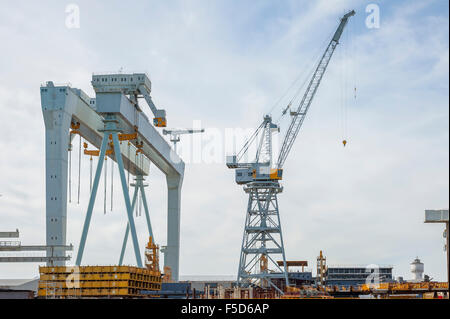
387 289
96 281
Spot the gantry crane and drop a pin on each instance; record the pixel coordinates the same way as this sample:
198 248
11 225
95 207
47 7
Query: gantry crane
175 135
262 237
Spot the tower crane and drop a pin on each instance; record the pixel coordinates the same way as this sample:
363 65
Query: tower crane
262 239
175 135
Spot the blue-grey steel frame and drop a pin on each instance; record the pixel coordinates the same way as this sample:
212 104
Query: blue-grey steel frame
138 186
110 129
262 227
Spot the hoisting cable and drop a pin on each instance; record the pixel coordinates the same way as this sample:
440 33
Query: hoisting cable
90 175
139 197
353 59
141 165
79 171
301 73
137 204
105 171
129 163
112 183
136 125
74 130
247 144
345 88
312 62
137 161
346 83
70 171
297 93
85 145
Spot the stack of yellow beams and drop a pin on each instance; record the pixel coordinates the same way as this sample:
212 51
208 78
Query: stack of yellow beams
96 281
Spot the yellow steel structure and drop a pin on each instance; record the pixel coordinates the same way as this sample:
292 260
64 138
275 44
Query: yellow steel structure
160 122
276 173
152 256
321 268
96 281
403 287
75 128
167 277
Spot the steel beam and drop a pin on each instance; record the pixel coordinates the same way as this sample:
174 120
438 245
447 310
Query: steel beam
6 247
33 259
9 234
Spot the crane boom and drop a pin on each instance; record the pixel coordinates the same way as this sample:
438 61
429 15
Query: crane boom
160 115
175 134
299 115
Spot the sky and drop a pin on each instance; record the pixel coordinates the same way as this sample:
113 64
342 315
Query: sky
226 64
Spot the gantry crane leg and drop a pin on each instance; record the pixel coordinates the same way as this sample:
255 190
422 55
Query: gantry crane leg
127 230
262 238
110 123
138 187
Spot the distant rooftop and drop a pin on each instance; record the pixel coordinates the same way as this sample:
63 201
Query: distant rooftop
6 283
208 278
360 266
20 284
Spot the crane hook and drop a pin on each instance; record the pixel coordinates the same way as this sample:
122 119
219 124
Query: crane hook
344 142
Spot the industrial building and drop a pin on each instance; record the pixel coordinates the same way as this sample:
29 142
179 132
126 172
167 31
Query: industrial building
355 275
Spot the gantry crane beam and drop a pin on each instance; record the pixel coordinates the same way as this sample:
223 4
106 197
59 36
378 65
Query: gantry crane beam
89 123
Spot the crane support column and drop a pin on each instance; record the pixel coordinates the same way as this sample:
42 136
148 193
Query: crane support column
172 250
57 114
262 239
